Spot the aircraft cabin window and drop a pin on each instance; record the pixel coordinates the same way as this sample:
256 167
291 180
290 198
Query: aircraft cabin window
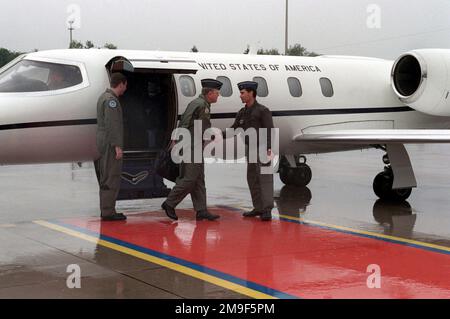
187 85
295 88
226 90
327 87
262 90
36 76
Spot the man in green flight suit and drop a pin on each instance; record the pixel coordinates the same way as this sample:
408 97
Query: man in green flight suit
192 175
110 146
257 116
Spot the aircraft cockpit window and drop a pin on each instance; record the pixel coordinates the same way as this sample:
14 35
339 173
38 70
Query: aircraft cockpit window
226 90
295 88
262 90
187 85
327 87
37 76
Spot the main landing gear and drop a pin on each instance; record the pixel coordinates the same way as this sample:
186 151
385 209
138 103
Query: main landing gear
294 171
383 184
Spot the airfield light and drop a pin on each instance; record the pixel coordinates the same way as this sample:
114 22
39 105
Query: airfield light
71 28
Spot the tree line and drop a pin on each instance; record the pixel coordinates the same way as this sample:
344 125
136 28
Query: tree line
293 50
7 56
89 45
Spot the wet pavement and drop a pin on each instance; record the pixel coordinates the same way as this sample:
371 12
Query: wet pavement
48 220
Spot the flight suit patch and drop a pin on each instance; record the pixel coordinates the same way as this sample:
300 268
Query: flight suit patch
112 104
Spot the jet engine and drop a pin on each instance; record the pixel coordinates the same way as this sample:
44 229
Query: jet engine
421 80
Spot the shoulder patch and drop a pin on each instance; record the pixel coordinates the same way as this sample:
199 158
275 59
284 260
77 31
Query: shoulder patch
206 110
112 103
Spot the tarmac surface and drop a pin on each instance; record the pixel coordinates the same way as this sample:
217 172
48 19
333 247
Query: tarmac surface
320 244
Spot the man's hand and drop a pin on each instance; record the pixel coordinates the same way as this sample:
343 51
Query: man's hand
270 154
119 153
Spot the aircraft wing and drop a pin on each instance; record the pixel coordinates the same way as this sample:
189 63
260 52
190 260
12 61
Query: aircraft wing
376 136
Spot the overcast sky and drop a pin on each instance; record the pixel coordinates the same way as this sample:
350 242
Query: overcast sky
351 27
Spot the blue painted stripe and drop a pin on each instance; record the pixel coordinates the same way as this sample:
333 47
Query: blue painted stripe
182 262
349 232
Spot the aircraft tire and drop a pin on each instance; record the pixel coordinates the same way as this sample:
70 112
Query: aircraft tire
299 176
382 186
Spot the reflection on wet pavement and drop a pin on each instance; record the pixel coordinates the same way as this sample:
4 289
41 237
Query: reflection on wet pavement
33 260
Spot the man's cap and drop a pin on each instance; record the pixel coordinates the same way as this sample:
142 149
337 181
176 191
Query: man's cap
249 85
211 84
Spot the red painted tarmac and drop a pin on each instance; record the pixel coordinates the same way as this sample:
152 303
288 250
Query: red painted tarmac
301 260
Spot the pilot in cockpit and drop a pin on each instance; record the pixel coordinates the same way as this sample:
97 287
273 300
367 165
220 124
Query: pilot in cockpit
57 79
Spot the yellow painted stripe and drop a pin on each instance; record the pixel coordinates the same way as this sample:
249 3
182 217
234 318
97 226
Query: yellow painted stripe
356 231
165 263
362 232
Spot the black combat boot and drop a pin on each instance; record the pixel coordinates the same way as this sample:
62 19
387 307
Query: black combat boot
252 213
204 214
170 211
114 217
266 216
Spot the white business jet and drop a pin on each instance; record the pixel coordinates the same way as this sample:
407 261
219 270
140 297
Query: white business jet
320 104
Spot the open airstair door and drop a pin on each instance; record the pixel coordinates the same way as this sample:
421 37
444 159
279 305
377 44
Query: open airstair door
150 112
